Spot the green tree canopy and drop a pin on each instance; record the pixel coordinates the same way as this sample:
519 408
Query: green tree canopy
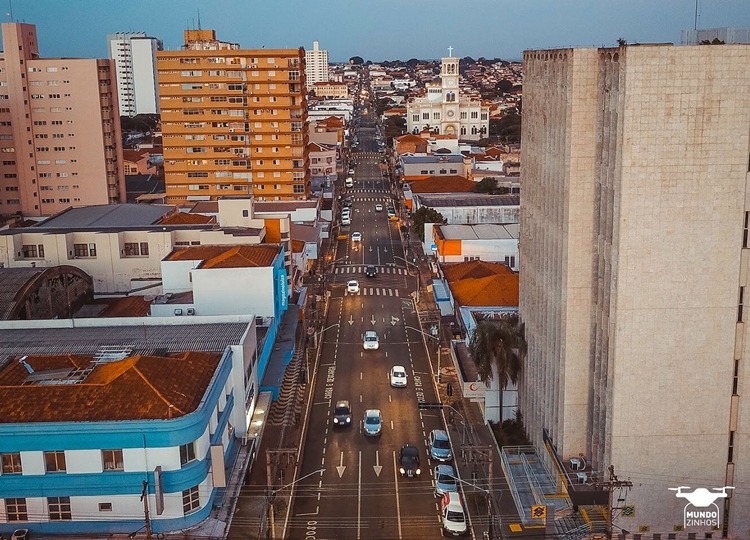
356 60
425 215
498 348
486 185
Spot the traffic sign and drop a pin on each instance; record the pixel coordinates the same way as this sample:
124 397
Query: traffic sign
433 247
423 406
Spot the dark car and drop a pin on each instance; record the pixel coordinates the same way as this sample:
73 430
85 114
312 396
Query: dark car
347 202
371 271
408 461
342 414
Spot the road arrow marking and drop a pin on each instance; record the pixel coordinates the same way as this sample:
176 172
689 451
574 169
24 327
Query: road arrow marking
394 320
341 468
373 321
377 465
351 320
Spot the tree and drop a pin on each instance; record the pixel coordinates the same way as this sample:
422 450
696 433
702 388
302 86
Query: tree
507 128
504 86
425 215
356 60
486 185
621 42
498 349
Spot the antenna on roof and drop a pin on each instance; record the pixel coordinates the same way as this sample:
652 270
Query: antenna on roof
25 364
199 18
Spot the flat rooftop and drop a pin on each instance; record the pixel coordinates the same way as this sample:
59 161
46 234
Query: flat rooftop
467 199
107 216
484 231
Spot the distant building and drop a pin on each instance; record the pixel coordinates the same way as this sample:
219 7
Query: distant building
59 129
234 121
444 111
134 54
330 90
489 242
725 35
316 65
634 254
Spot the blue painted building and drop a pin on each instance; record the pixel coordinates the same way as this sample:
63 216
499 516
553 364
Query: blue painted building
89 413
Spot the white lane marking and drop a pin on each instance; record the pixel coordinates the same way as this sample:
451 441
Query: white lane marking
377 467
341 468
398 504
359 496
360 375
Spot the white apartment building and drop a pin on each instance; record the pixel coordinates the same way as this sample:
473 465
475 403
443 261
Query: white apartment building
635 253
134 54
444 111
316 65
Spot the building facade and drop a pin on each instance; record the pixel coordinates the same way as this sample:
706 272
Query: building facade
59 129
71 469
444 111
316 65
234 121
134 54
635 251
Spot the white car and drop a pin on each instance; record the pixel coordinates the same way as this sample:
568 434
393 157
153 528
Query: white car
378 207
371 340
453 515
352 287
398 376
356 237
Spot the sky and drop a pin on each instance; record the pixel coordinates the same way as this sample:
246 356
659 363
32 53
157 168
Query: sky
376 30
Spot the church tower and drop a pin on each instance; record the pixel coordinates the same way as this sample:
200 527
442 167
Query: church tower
450 102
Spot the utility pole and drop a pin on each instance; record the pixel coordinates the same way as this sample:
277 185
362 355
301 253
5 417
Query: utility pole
144 498
610 485
275 459
480 455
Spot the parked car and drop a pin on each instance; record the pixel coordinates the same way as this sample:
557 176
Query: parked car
398 377
342 414
440 445
352 286
445 480
372 424
408 461
453 515
371 341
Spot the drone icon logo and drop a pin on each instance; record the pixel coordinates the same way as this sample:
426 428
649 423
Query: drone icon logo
701 509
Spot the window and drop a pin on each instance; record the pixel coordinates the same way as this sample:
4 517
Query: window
105 507
190 500
81 250
33 252
12 463
15 509
112 460
59 508
187 453
54 461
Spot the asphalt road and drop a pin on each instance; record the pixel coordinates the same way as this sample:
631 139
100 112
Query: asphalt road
360 493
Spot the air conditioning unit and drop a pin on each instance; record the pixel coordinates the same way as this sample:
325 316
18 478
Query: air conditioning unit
191 311
582 478
577 464
178 312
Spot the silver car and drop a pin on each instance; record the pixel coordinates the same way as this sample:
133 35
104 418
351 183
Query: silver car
372 424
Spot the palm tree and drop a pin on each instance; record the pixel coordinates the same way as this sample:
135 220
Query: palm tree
498 347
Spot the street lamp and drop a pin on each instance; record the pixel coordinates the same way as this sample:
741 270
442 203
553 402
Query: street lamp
436 337
488 497
419 274
272 494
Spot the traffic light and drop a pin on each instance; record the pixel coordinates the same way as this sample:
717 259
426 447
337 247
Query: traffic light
424 406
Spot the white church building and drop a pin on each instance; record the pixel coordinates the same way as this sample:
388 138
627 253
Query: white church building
444 111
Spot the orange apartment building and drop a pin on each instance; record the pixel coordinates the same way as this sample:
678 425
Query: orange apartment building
234 121
59 129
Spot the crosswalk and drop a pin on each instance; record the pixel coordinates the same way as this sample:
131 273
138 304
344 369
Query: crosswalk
391 270
375 291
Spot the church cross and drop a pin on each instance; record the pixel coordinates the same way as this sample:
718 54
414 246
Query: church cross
450 51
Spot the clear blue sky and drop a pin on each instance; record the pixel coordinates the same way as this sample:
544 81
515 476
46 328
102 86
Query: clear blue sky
375 29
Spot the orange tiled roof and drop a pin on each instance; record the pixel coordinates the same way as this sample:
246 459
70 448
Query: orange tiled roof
165 387
480 283
442 184
298 246
184 218
228 256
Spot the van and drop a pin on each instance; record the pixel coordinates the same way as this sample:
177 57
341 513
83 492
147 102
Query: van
349 182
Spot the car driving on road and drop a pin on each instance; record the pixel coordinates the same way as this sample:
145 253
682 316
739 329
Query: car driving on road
372 424
356 237
445 480
398 377
371 271
378 207
371 340
440 445
408 461
352 286
342 414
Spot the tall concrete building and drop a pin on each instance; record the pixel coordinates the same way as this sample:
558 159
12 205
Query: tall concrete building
234 121
316 65
59 129
447 112
134 54
635 254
